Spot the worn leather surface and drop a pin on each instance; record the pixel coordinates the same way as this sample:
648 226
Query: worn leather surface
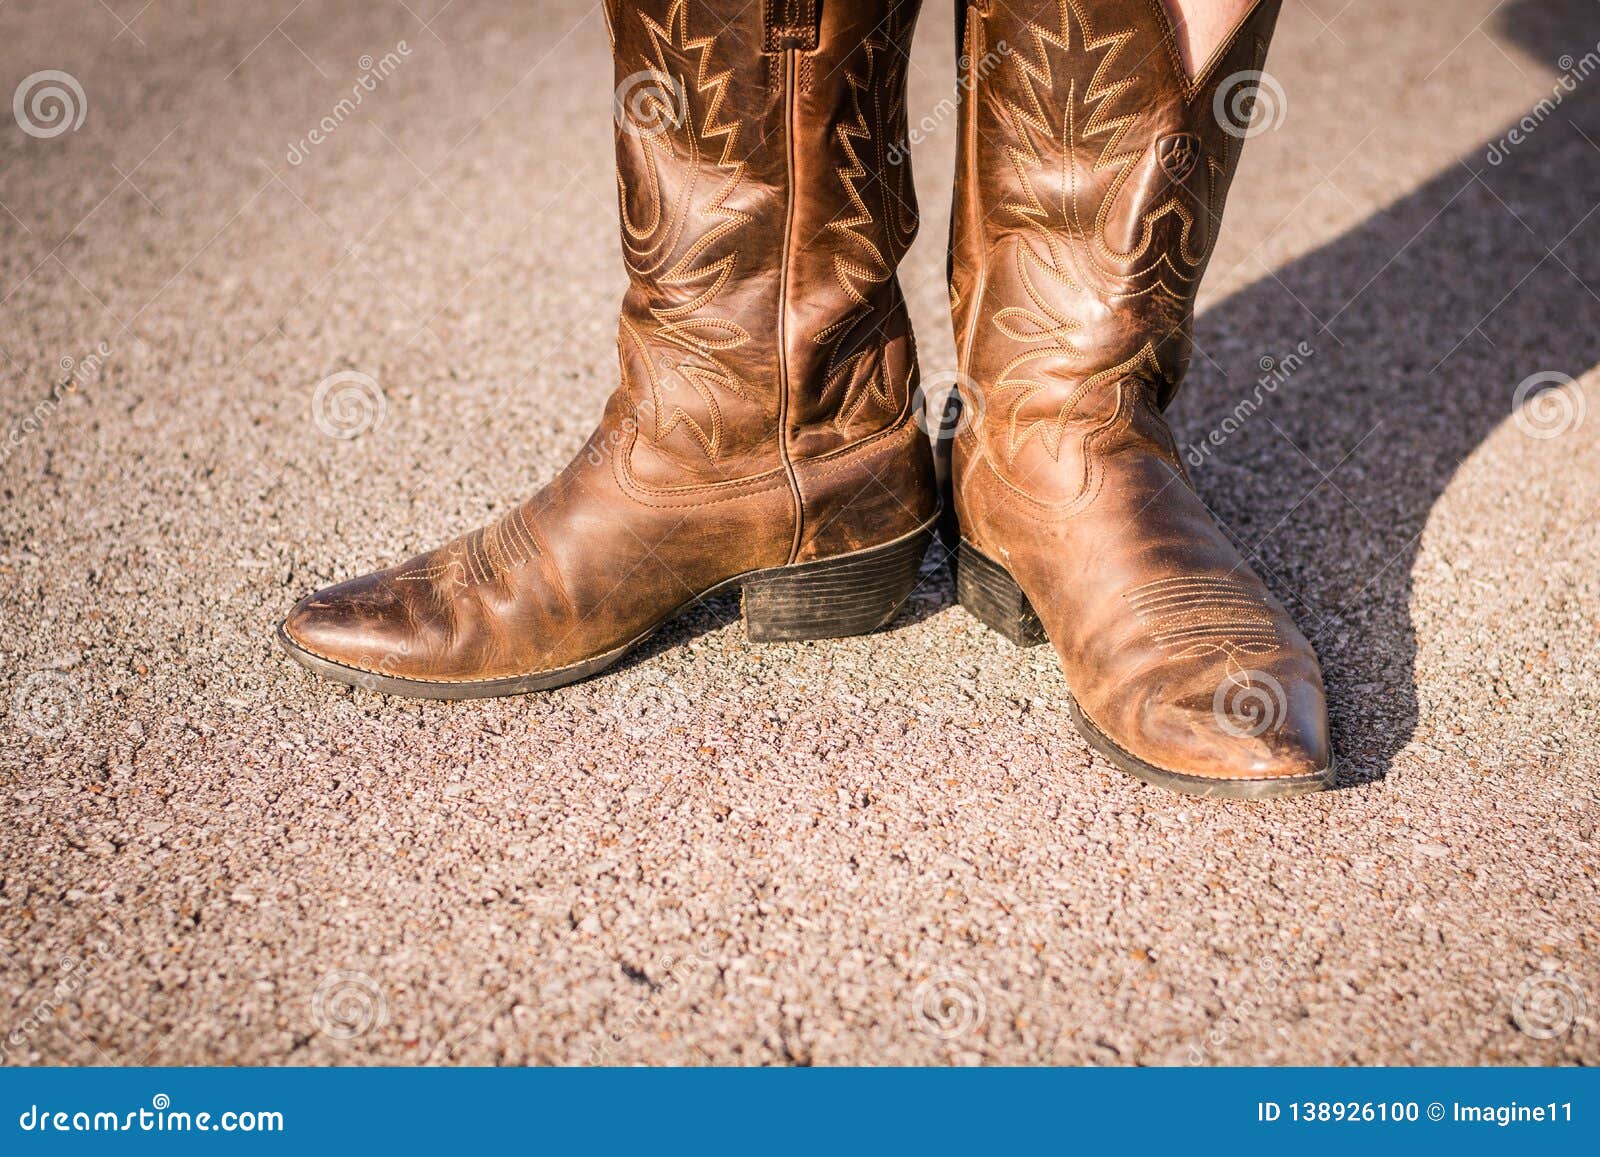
1090 184
763 414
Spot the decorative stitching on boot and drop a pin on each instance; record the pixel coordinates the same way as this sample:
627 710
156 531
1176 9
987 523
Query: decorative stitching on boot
682 65
790 24
1197 615
871 245
487 554
1048 103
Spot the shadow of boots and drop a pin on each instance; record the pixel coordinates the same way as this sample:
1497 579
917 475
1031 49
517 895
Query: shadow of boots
1423 320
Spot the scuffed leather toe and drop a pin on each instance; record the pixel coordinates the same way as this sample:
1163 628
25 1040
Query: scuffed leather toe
1213 725
1253 726
1220 756
361 623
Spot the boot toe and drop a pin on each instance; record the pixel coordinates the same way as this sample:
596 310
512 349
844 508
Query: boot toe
1260 729
359 623
1256 735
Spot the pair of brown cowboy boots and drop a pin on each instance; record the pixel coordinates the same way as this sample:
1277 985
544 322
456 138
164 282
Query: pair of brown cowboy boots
765 435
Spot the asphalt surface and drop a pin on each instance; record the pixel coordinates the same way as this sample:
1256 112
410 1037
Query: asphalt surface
891 849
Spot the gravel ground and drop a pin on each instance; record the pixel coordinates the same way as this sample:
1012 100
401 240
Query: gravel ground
891 849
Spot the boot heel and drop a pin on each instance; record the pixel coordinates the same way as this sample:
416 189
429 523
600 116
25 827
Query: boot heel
834 597
993 597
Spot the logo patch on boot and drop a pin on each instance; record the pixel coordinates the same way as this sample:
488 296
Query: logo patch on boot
1178 153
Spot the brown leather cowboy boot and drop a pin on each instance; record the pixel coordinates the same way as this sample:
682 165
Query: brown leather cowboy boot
762 437
1090 185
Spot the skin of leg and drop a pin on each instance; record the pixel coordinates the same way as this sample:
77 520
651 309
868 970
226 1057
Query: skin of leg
1202 25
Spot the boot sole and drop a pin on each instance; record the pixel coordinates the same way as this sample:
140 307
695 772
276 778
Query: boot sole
832 598
987 591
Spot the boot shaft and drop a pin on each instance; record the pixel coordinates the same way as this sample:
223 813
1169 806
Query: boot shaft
766 201
1090 184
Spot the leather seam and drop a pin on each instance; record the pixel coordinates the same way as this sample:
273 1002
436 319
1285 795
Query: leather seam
790 24
833 461
1094 481
349 666
784 281
1191 87
750 487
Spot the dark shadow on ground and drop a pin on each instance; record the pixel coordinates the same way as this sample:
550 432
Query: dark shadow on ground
1472 283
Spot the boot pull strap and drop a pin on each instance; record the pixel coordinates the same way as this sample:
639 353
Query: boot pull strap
792 24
